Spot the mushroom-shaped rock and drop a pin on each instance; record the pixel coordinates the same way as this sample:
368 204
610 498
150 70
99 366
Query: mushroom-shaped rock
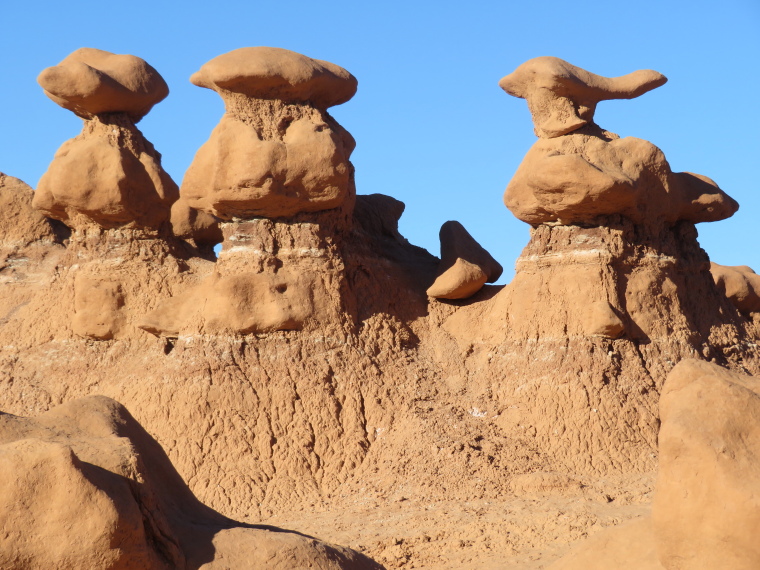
276 152
576 172
562 97
84 486
465 266
110 175
740 284
91 82
276 73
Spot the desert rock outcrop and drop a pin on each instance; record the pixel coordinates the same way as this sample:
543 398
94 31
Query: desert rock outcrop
465 266
84 486
276 152
110 175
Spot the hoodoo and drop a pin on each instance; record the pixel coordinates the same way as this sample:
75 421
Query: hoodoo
304 379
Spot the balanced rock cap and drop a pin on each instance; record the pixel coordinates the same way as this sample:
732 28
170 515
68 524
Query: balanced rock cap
91 81
276 73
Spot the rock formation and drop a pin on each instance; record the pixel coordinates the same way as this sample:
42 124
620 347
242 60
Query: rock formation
612 289
276 152
110 175
740 284
705 511
84 486
465 266
304 372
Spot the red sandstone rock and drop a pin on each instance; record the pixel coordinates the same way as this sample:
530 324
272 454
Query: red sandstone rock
577 172
110 175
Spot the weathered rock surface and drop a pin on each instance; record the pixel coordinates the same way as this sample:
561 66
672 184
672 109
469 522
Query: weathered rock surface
465 266
84 486
705 511
276 152
110 175
563 97
740 284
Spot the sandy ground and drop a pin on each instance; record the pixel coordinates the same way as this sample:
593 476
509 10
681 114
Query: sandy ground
506 533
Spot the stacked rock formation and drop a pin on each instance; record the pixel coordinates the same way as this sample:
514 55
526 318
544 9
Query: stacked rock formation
110 175
275 159
612 290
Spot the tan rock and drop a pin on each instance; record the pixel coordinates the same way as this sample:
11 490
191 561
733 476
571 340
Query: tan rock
84 486
706 510
20 223
275 73
465 266
189 223
91 82
740 284
602 320
97 304
562 97
276 152
577 172
110 175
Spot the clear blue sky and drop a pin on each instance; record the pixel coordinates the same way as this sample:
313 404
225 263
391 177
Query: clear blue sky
433 128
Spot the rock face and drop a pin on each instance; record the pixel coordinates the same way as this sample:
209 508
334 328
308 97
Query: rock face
276 152
110 175
705 511
84 486
465 266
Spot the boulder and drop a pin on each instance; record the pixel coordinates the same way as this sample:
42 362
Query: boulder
465 265
91 82
740 284
84 486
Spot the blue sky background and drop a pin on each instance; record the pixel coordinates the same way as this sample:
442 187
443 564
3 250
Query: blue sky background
432 126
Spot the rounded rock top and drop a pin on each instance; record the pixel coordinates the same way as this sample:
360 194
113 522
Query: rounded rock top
276 73
90 81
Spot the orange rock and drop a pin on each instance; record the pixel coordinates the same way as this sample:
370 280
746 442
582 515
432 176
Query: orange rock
91 82
578 172
84 486
276 152
465 266
110 175
740 284
275 73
